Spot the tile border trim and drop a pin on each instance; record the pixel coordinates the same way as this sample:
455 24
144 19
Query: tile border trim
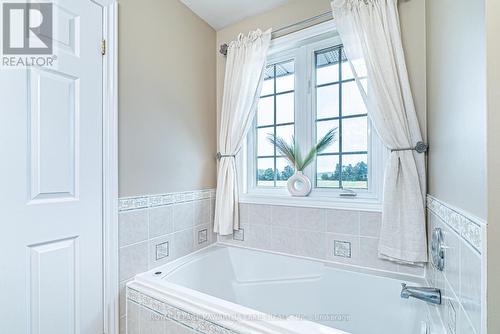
466 226
190 320
149 201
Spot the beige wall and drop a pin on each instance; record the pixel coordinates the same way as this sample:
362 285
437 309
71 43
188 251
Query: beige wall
167 98
493 166
412 14
457 103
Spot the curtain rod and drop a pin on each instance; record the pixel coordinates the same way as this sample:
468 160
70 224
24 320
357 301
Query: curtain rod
223 47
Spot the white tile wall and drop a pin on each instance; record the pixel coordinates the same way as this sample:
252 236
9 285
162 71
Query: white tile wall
132 230
161 220
461 279
133 260
147 221
183 216
312 232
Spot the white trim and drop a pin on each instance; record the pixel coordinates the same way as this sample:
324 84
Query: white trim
300 37
323 202
484 280
110 168
300 46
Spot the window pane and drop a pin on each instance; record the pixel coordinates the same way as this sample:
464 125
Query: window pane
352 102
265 111
286 132
355 171
276 109
269 72
285 79
327 74
267 87
355 134
283 171
347 71
285 83
327 101
322 127
285 108
327 70
264 147
327 171
265 172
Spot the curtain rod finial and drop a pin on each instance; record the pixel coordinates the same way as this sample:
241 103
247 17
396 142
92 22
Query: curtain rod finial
223 49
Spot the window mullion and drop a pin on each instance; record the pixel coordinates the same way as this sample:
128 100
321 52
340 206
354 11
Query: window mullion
274 127
340 120
303 123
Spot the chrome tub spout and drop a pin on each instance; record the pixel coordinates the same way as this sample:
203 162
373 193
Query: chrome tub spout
430 295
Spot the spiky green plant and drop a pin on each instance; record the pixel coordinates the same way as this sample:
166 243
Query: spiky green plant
291 151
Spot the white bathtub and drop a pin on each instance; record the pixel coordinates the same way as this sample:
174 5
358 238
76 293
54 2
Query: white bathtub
250 291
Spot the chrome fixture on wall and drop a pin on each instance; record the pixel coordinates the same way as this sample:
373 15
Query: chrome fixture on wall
437 249
429 295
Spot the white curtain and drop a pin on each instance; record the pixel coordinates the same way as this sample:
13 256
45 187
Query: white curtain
370 32
246 60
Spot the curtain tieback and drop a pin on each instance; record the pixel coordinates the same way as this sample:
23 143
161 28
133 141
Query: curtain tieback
219 155
420 147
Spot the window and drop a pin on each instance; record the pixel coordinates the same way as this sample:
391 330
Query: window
308 89
275 117
339 105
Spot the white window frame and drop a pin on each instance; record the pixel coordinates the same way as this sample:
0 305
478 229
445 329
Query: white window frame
301 46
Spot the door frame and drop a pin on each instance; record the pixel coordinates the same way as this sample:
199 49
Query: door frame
110 167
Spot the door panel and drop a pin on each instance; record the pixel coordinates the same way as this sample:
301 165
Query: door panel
51 248
53 288
67 25
54 120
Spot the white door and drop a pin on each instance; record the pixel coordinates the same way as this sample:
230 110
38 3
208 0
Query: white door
51 218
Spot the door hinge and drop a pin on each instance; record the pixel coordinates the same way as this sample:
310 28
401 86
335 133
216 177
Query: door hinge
103 47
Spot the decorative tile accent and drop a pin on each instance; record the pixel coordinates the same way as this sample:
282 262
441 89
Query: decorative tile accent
193 321
342 248
239 235
202 236
132 203
464 226
162 250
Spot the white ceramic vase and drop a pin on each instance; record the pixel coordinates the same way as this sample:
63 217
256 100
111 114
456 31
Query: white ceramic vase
299 185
